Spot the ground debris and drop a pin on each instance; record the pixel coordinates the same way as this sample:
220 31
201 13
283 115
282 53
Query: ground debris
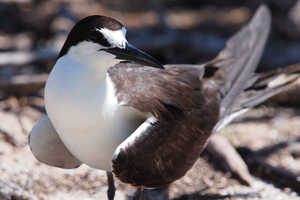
188 34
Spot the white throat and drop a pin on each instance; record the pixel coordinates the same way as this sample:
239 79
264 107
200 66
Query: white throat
89 55
81 103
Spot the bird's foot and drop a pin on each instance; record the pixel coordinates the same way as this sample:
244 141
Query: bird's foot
139 194
111 186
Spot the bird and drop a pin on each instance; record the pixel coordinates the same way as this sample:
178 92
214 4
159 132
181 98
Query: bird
116 108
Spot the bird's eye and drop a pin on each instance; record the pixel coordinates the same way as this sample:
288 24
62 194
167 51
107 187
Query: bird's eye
97 37
92 35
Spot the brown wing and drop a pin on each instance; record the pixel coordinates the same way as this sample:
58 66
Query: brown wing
186 106
162 151
155 90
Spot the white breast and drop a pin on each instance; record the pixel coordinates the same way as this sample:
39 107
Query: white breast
83 109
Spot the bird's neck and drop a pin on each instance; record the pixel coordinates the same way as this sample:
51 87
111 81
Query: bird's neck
90 56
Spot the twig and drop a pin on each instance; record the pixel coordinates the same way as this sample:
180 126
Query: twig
25 57
259 167
206 44
23 84
9 138
220 148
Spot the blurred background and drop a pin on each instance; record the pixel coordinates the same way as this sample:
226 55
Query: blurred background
191 31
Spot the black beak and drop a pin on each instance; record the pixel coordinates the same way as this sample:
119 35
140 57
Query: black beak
131 53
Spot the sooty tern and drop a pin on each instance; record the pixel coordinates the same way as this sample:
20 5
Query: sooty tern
116 108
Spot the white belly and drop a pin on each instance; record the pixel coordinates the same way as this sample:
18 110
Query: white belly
86 115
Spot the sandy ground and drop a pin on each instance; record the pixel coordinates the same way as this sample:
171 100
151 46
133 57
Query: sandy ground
23 177
273 132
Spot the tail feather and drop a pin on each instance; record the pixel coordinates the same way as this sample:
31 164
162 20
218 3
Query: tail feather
234 70
267 85
237 62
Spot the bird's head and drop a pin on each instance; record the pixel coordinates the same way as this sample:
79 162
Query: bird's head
98 37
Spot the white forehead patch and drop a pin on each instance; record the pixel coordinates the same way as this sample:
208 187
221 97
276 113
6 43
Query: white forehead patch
116 38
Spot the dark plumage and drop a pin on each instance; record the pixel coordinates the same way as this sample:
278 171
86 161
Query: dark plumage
85 30
188 102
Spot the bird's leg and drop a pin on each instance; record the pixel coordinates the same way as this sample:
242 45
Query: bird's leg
111 186
157 193
139 195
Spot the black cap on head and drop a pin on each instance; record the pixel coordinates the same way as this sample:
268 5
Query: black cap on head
94 28
86 30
